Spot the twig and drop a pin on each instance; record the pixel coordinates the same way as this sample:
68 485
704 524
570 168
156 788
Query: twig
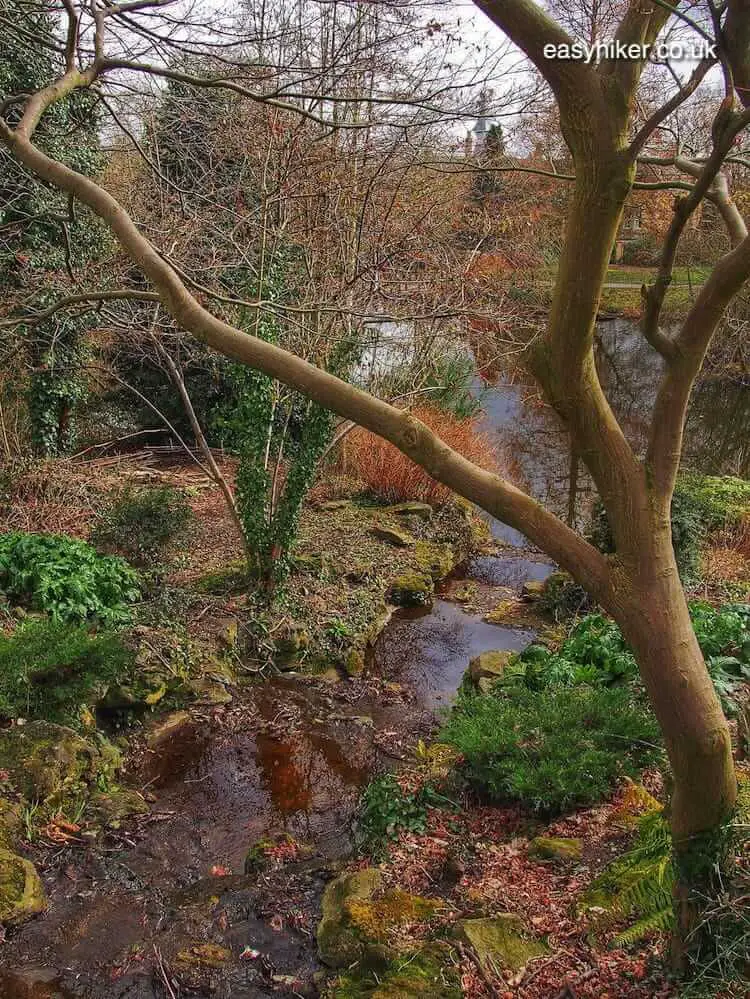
469 955
163 973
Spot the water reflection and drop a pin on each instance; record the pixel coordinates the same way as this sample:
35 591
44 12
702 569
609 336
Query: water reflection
430 651
534 447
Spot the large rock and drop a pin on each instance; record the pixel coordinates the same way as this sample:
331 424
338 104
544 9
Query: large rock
394 536
118 803
533 590
48 762
21 891
486 668
500 942
359 921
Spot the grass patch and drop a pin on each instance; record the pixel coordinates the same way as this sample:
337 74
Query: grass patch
51 670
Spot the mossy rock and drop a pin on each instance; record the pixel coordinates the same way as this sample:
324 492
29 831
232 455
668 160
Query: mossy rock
48 761
11 823
339 943
118 803
204 955
22 894
411 509
165 728
394 536
382 614
533 590
438 560
358 920
208 691
232 577
411 589
338 504
291 641
354 662
142 693
554 848
502 612
501 942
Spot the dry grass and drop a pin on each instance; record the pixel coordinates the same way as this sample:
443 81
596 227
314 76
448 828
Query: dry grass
392 477
727 558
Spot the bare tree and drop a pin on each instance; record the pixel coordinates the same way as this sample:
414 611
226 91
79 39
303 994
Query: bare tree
605 133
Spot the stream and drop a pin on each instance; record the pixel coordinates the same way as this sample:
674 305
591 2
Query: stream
291 756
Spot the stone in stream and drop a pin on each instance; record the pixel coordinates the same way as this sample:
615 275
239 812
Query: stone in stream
500 942
486 668
22 894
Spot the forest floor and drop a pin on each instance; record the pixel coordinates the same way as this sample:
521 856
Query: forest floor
251 783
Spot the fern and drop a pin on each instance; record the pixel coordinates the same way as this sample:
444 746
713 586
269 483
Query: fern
638 886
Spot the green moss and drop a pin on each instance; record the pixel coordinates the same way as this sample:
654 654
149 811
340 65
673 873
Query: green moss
50 763
233 577
11 823
21 891
358 920
434 558
411 589
112 806
430 973
554 848
501 942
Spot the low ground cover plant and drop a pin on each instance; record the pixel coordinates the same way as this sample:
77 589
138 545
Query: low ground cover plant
65 578
142 523
552 749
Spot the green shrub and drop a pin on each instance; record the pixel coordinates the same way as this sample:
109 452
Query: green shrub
552 749
50 669
700 504
386 811
141 523
65 577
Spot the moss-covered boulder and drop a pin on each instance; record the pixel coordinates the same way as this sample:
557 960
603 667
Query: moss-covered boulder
394 536
501 942
11 823
48 762
486 668
434 558
21 891
359 920
339 942
555 848
411 589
